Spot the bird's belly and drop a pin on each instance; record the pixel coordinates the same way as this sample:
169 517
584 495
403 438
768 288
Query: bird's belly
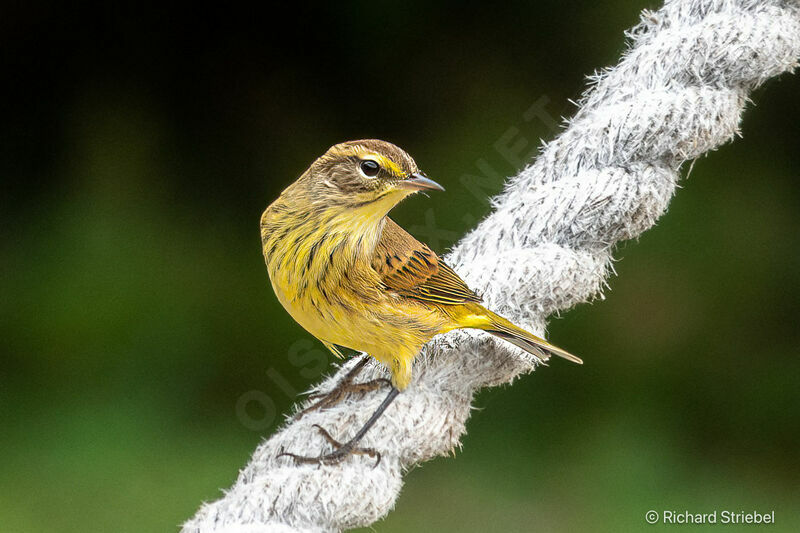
382 329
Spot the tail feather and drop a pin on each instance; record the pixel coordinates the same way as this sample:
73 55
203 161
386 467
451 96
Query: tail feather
502 328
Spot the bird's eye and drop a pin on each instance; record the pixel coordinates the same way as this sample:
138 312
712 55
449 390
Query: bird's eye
369 168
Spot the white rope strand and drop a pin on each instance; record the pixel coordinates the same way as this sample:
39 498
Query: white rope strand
677 93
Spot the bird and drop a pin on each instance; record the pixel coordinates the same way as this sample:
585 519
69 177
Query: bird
353 278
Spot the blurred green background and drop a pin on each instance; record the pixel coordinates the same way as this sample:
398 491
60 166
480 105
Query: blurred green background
144 355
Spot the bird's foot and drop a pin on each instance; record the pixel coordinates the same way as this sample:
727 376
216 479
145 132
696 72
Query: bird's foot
339 454
347 386
341 390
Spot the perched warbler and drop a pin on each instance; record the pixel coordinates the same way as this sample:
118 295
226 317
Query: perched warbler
353 278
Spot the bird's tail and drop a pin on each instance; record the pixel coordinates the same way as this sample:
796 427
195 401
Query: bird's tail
500 327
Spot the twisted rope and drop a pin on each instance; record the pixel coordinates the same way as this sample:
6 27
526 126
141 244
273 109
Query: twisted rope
677 93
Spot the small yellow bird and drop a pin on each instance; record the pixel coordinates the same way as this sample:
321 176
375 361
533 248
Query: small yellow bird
353 278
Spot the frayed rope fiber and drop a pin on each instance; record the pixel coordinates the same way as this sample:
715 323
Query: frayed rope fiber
678 92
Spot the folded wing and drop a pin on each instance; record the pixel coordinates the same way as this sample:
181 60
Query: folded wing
411 269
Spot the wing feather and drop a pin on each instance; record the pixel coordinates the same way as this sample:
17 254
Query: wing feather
411 269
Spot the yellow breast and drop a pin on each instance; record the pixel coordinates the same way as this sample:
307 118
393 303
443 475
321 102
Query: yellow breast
321 272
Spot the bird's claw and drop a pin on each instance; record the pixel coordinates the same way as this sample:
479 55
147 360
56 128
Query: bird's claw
339 392
340 453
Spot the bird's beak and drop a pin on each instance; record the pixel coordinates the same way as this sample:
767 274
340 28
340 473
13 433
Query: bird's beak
418 182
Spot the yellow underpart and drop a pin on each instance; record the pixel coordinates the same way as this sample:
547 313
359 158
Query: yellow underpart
472 320
333 292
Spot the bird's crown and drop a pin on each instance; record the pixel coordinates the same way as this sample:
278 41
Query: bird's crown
375 158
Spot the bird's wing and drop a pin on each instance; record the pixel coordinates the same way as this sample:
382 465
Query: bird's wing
411 269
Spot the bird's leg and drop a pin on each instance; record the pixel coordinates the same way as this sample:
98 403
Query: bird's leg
345 386
343 450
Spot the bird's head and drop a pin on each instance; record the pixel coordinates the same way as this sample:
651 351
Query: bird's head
370 176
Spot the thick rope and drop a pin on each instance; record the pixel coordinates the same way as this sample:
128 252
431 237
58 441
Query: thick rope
677 93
